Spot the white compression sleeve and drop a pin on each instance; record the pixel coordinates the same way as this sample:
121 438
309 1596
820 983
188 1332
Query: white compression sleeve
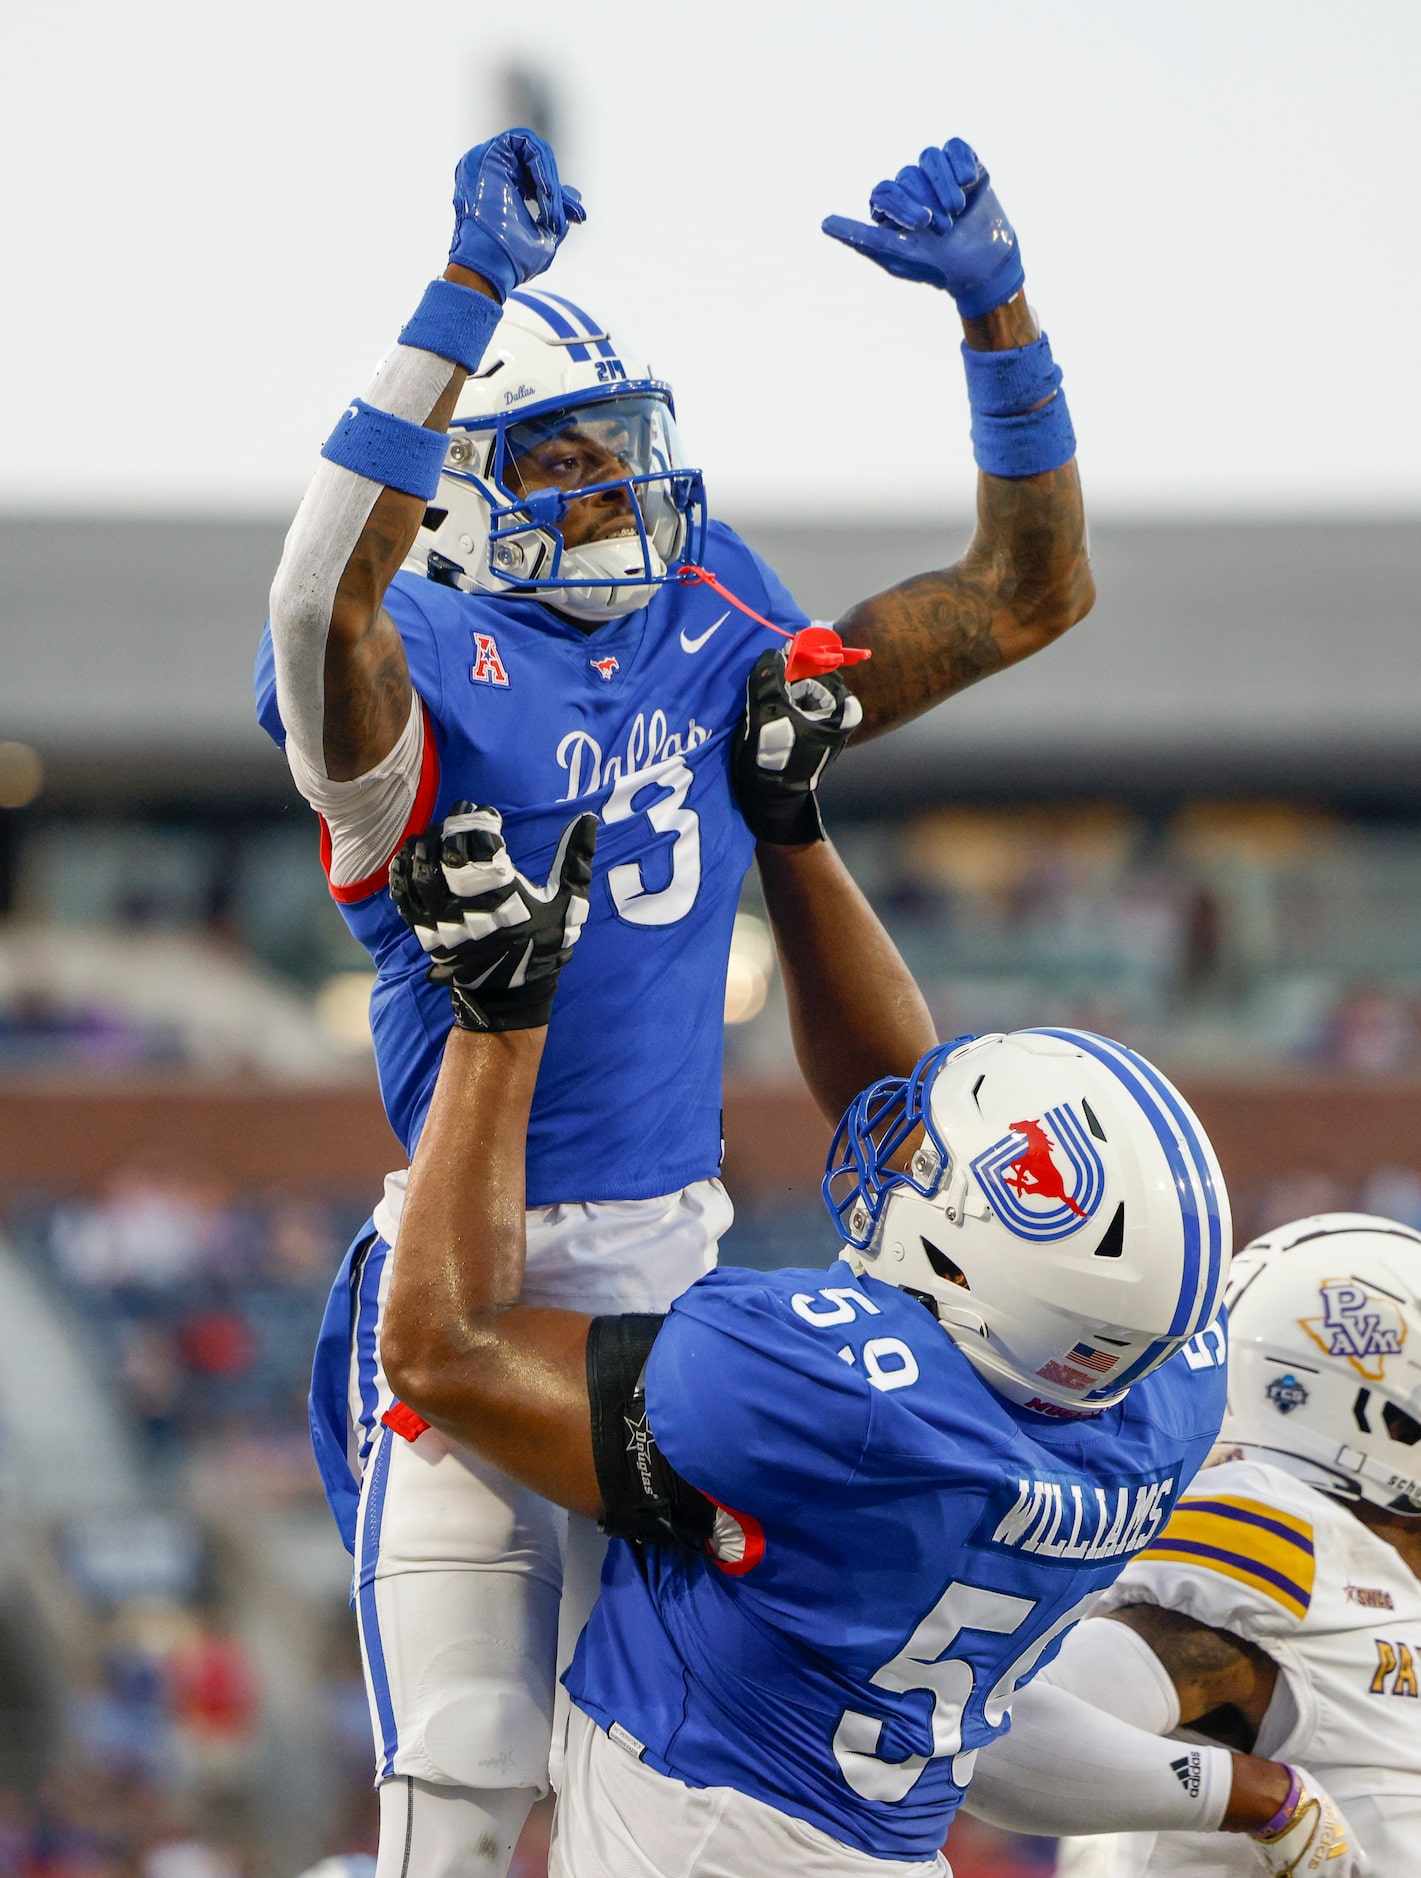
408 383
1068 1767
367 818
430 1831
1111 1666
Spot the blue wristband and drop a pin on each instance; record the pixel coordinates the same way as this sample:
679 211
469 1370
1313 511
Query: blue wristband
1009 437
387 450
1026 445
1004 384
453 321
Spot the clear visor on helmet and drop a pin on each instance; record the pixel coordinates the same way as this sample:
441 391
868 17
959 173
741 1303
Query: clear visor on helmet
621 455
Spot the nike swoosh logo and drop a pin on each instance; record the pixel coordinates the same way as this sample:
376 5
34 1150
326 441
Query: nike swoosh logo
694 645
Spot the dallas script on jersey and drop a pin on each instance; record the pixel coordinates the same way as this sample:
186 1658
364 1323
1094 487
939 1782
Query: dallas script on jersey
1070 1520
649 741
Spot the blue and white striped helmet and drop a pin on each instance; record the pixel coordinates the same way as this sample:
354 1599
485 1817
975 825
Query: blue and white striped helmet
559 413
1054 1200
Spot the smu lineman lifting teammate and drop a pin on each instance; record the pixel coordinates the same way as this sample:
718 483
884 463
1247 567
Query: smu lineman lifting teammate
539 649
870 1500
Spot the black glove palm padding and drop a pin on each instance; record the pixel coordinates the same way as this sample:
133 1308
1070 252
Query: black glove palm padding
789 736
494 938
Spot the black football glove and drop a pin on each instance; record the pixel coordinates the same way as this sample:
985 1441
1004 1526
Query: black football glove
494 938
789 736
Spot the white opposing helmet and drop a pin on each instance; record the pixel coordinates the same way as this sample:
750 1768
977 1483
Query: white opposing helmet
1063 1214
554 392
1325 1355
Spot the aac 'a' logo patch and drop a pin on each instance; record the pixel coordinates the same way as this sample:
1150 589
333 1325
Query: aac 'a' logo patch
1044 1180
488 668
1359 1324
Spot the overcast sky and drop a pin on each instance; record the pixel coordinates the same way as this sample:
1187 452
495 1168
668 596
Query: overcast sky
218 217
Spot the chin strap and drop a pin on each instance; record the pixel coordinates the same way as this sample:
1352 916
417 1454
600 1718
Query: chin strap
813 650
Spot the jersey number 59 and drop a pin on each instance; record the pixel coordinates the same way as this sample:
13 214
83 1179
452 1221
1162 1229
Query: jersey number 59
922 1663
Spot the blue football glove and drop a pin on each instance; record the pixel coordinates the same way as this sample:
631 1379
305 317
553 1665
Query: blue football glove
939 222
511 212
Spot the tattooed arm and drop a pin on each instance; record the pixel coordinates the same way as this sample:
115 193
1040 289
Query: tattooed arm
1223 1682
367 681
1024 579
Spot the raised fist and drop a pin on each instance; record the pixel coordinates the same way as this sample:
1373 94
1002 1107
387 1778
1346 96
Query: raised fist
939 222
790 734
494 938
510 210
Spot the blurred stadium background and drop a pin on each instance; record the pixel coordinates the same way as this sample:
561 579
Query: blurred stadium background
1196 824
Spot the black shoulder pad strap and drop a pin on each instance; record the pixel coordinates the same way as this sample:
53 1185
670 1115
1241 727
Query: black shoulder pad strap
642 1496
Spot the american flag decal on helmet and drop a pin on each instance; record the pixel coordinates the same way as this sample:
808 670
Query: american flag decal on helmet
1101 1361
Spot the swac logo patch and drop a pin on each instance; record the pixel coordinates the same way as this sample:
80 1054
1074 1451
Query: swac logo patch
488 666
1045 1179
1358 1324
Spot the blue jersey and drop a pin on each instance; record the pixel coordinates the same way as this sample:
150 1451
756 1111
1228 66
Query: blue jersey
910 1548
540 720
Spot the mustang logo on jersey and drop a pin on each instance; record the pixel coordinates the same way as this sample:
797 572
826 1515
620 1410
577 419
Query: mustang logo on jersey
1071 1520
488 666
1026 1185
1357 1324
606 667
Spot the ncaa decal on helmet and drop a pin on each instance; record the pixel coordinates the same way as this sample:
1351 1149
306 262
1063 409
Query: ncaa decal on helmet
557 413
1053 1200
1325 1355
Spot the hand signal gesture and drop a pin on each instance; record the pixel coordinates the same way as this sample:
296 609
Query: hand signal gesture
511 211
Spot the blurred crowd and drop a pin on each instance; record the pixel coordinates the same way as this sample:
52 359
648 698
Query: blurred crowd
1214 936
205 1306
1209 934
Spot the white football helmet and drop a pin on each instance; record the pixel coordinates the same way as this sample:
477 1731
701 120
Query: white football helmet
555 413
1325 1356
1062 1213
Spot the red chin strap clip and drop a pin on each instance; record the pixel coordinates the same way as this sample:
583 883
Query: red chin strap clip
813 650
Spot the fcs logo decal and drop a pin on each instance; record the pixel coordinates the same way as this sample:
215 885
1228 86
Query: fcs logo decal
1286 1393
488 666
605 666
1026 1176
1357 1324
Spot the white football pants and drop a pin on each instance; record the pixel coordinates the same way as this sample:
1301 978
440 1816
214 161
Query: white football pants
471 1591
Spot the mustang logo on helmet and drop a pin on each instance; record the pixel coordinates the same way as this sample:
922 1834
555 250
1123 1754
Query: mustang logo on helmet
1357 1324
1026 1185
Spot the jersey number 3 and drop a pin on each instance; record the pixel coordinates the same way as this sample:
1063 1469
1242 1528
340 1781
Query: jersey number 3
668 815
922 1664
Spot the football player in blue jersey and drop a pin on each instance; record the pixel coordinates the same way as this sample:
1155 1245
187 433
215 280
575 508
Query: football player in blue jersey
503 586
853 1510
